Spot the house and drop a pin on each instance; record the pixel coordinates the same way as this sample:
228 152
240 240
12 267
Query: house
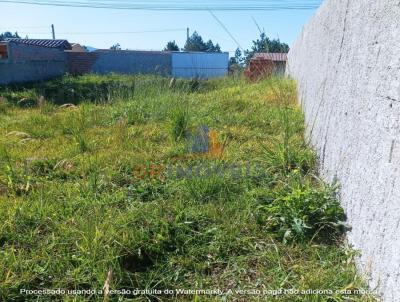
47 43
266 64
25 60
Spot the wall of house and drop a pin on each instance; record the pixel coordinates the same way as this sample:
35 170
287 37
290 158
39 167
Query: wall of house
199 64
80 62
132 62
261 68
27 63
32 63
346 63
179 64
125 62
279 68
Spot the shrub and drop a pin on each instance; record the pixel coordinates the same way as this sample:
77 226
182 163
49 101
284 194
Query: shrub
303 215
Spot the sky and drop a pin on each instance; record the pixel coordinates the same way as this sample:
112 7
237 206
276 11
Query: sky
92 26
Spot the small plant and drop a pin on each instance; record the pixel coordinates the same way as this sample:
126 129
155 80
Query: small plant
121 132
78 127
179 122
304 215
3 105
17 181
81 142
284 158
44 106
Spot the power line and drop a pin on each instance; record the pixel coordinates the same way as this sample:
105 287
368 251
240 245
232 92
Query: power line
180 5
226 29
112 32
258 26
124 32
21 27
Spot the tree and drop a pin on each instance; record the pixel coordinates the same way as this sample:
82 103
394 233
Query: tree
171 46
116 47
236 63
211 47
7 35
238 58
265 44
196 43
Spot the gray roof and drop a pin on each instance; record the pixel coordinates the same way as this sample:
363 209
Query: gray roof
278 57
61 44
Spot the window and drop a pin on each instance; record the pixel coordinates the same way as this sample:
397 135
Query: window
3 51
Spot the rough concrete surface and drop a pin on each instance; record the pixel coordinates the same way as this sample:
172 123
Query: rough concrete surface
347 65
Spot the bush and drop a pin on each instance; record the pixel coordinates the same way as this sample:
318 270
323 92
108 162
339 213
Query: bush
304 215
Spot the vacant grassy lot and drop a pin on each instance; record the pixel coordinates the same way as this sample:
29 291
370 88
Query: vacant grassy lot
145 185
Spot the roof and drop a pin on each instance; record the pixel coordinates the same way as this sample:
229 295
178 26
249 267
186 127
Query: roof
280 57
61 44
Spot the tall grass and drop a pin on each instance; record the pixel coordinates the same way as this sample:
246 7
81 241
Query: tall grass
256 217
179 121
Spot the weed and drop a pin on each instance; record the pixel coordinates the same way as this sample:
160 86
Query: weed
179 121
17 181
303 215
3 105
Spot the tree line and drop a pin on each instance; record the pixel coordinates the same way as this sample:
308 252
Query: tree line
8 35
262 44
195 42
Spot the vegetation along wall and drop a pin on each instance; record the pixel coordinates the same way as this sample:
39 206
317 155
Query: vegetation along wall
347 65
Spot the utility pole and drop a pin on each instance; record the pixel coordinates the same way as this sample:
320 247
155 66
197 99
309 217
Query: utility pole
187 34
53 32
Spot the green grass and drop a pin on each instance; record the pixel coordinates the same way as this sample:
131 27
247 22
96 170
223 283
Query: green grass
111 184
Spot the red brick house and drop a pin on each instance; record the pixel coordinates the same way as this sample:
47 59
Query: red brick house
266 64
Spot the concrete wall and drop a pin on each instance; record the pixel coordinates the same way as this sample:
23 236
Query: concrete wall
32 63
132 62
347 65
177 64
126 62
199 64
27 63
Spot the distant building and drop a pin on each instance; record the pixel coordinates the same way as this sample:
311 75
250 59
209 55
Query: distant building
3 51
266 64
76 47
24 60
47 43
188 65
